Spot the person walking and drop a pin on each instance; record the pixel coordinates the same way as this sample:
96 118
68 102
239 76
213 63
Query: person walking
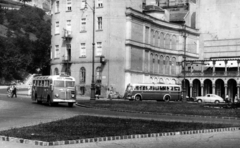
98 91
14 91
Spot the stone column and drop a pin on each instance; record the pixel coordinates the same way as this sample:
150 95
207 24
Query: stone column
225 67
202 86
213 89
202 68
226 93
191 90
214 62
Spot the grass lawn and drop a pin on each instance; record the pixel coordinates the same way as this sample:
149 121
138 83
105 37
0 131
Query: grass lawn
80 127
164 107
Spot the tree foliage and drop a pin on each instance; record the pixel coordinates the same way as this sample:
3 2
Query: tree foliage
19 54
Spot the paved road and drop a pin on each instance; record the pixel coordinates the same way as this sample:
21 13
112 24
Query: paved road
21 111
18 112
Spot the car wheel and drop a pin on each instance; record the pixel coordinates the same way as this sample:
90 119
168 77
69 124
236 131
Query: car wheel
217 101
70 104
199 101
167 99
138 98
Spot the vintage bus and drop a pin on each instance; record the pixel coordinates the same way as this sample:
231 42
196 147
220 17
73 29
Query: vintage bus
159 92
54 89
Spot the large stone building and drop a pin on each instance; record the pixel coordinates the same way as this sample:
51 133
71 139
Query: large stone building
217 69
140 42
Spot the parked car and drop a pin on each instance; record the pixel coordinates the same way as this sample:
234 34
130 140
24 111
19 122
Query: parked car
210 98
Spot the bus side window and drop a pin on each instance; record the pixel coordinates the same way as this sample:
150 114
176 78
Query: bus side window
42 83
136 88
176 88
163 88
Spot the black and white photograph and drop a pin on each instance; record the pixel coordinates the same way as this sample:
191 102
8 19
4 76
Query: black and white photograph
119 73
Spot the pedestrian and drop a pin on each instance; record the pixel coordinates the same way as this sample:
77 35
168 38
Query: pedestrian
236 99
227 99
9 91
14 91
98 91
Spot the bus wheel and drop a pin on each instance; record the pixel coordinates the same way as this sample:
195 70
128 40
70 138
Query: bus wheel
138 98
38 101
167 99
70 104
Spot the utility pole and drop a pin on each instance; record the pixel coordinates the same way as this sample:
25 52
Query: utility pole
184 63
92 97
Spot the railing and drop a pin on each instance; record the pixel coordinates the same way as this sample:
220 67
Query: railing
209 73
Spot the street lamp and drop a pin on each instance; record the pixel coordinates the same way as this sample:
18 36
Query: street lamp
184 63
92 96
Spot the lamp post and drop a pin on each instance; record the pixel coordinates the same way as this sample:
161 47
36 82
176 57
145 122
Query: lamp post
92 95
184 63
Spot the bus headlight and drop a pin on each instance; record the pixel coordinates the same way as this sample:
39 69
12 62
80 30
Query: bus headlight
73 95
56 95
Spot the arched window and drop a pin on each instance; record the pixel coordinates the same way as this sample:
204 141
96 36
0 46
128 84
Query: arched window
156 64
56 72
99 74
174 42
151 63
162 40
156 39
82 76
167 41
167 70
161 68
152 37
173 67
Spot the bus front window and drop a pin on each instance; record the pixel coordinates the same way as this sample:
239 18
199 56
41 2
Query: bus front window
59 83
70 83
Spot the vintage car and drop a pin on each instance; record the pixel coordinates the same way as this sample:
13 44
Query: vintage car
209 98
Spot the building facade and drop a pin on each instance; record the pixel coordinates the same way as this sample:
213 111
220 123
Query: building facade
217 69
136 39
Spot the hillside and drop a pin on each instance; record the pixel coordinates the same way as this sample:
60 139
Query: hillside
25 42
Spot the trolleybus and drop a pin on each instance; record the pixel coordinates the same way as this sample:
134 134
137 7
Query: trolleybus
54 89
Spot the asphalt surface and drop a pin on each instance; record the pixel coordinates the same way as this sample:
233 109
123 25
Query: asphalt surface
18 112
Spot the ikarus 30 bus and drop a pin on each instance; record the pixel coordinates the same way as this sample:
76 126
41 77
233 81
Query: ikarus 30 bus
54 89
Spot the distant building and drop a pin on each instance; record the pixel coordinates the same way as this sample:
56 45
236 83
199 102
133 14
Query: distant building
135 38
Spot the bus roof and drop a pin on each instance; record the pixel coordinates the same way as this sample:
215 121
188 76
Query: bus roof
54 77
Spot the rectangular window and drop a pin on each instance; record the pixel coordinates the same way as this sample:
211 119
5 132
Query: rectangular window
83 24
68 26
99 49
83 50
99 23
99 3
83 4
57 30
57 52
69 5
57 6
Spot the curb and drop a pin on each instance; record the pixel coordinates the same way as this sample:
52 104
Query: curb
168 114
113 138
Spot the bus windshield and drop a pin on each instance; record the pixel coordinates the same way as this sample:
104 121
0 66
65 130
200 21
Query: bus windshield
59 83
70 83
